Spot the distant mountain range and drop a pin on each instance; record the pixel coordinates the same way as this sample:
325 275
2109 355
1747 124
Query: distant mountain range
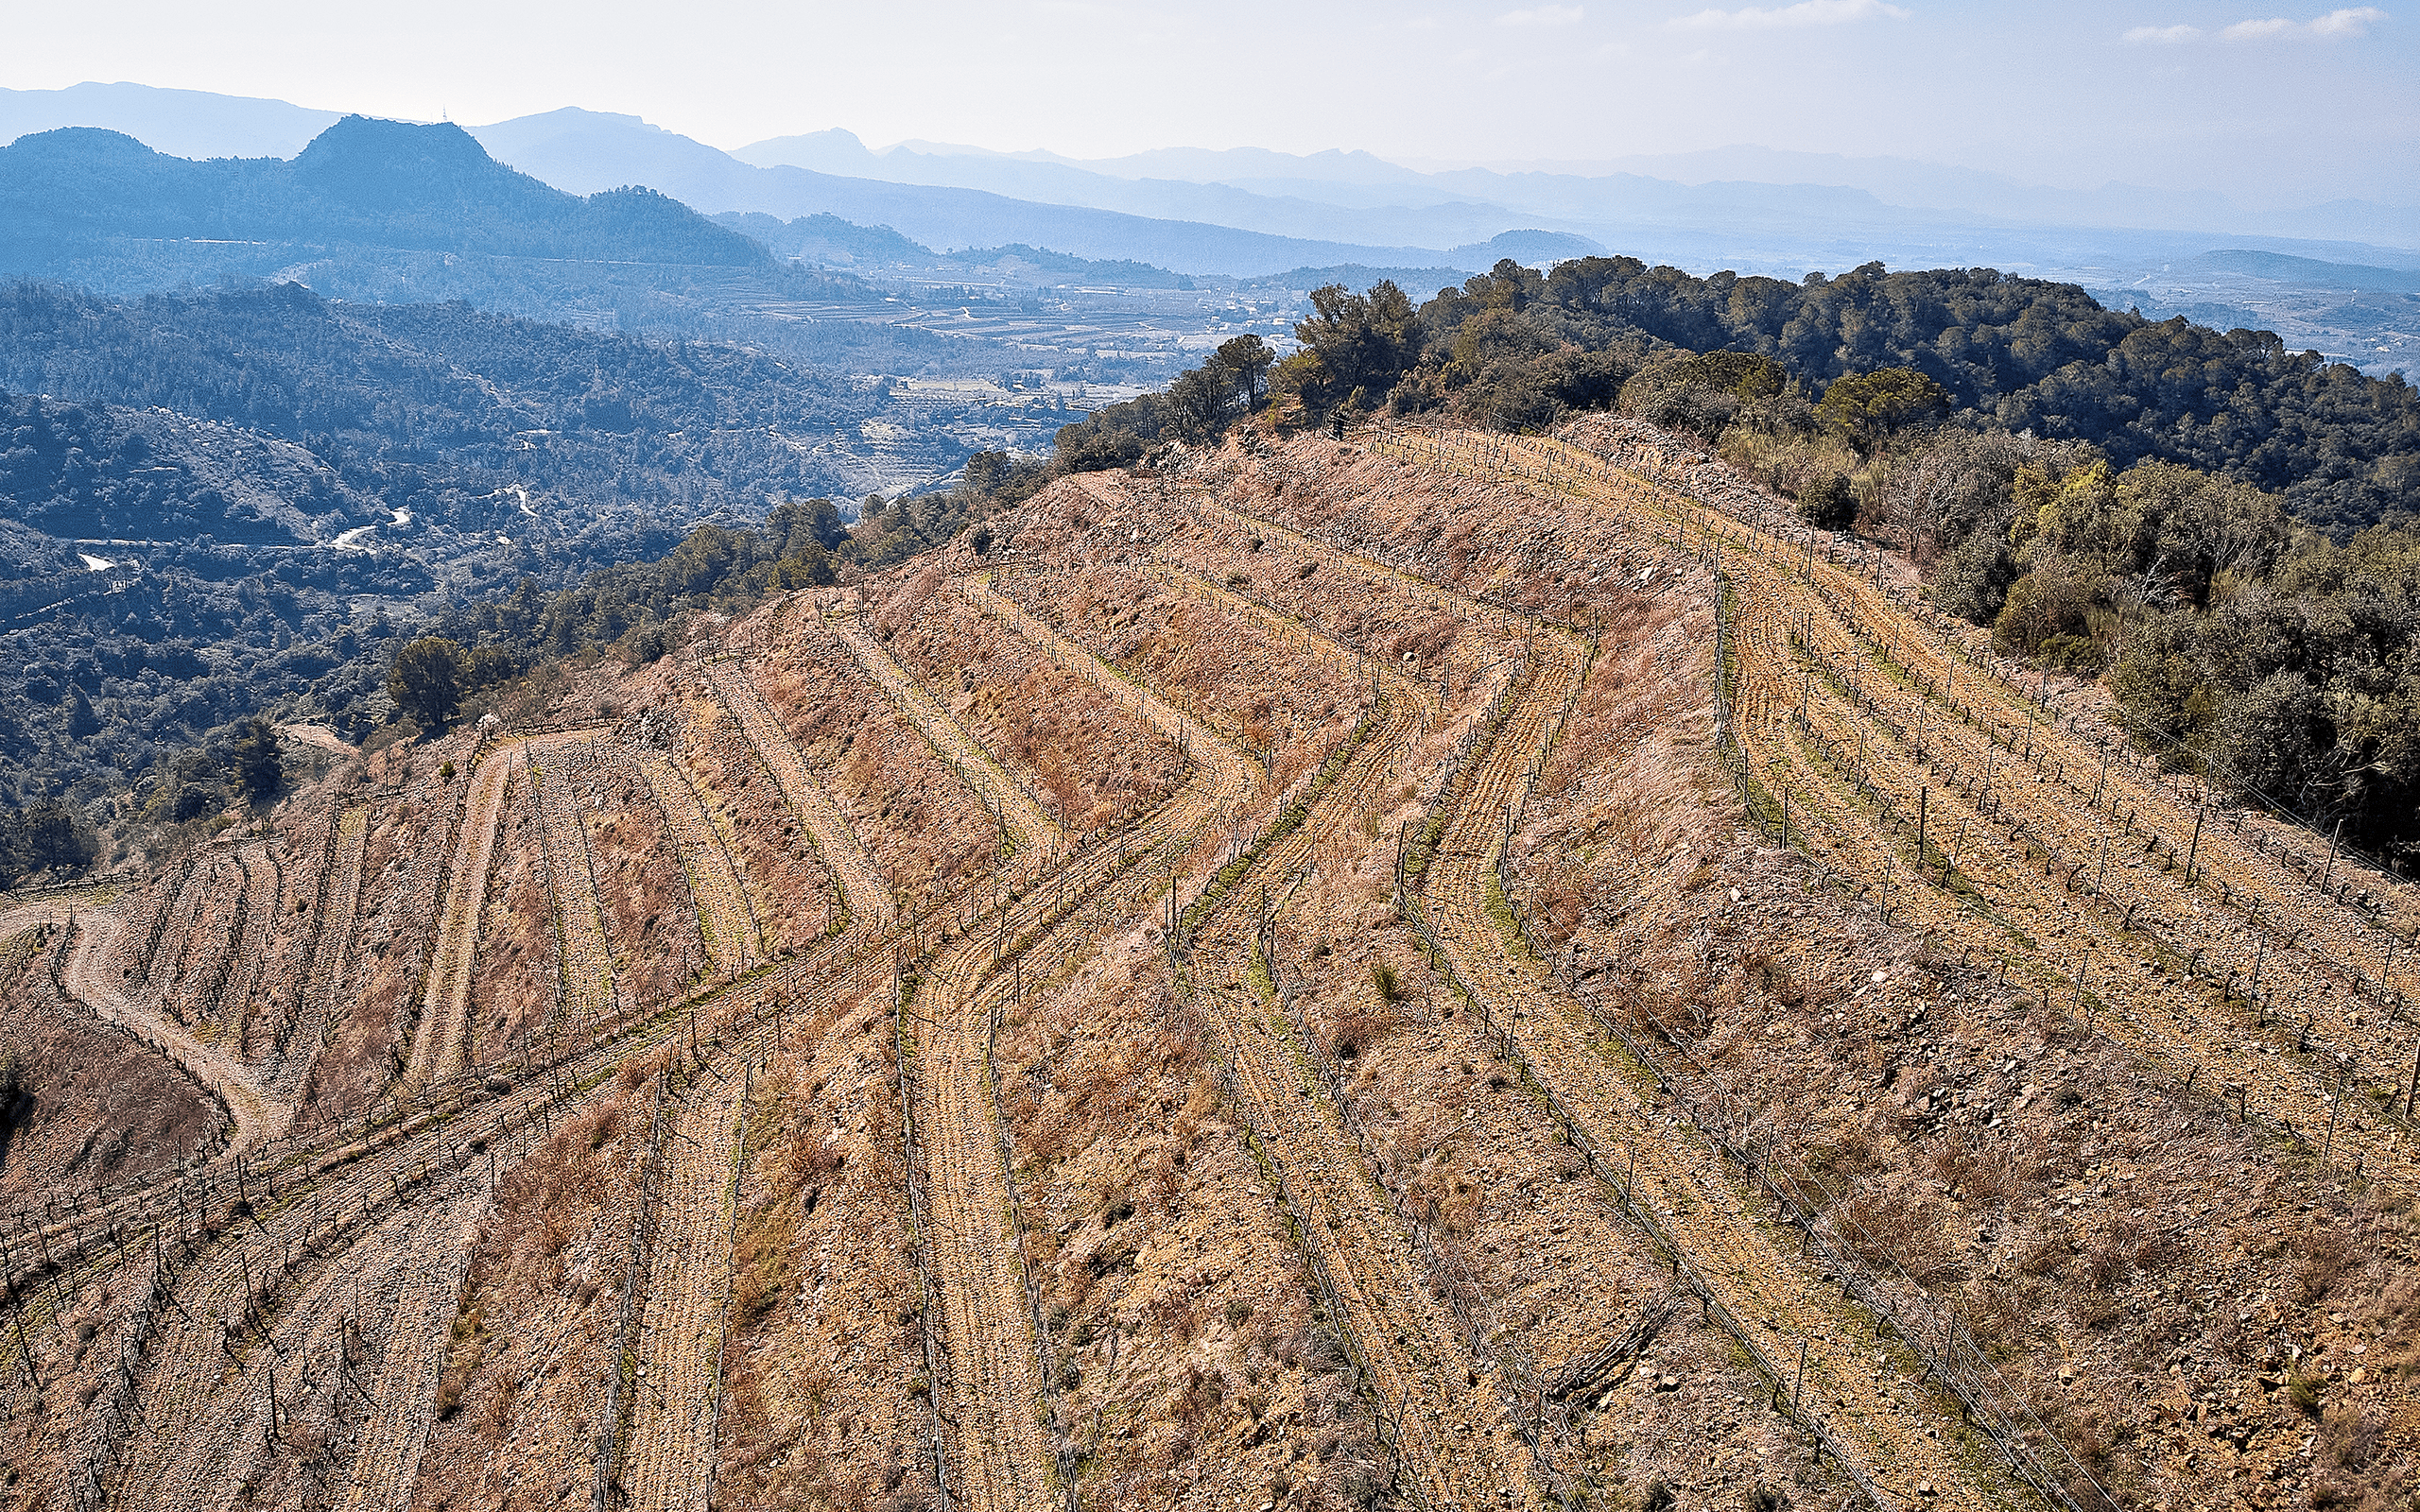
183 123
1368 211
383 211
428 188
1273 191
1753 209
1192 228
102 211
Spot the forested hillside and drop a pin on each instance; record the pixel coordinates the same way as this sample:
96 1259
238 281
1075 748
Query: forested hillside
2343 450
381 211
2224 528
210 450
102 474
439 406
1517 349
381 182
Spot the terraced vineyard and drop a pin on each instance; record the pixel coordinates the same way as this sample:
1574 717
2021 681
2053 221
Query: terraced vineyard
1597 922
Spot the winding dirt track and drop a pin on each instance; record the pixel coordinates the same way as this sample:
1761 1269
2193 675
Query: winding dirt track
1027 822
239 995
24 911
667 1462
256 1113
311 1201
851 866
1448 1428
1701 1208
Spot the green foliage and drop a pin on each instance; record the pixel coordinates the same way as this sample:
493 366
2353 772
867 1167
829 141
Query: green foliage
1200 402
1700 392
1500 353
1383 979
2043 605
1249 358
1829 503
1114 437
2302 1391
48 837
2107 493
1868 406
1354 349
426 681
1972 581
259 765
1512 348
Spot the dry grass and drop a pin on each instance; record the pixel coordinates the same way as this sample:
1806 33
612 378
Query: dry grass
519 962
796 903
528 1356
650 916
2184 1305
824 1368
924 827
1176 1313
1095 763
88 1106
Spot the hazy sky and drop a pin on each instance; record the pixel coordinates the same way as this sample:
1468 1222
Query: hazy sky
2277 105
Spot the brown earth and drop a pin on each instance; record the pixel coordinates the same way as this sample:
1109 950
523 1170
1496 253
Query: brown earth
1268 985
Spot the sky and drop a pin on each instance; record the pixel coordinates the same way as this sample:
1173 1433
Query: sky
2272 106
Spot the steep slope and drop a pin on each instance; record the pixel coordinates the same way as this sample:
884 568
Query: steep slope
1451 1007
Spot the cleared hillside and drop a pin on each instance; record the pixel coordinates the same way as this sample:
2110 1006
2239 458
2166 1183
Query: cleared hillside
1431 971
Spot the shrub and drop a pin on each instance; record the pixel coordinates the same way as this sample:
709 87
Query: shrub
1973 583
1829 503
2042 607
2079 654
2303 1392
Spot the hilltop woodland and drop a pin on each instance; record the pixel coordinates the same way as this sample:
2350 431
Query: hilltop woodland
2224 532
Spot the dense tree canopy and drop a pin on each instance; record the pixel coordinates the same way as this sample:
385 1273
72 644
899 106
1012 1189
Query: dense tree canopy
1518 348
426 681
